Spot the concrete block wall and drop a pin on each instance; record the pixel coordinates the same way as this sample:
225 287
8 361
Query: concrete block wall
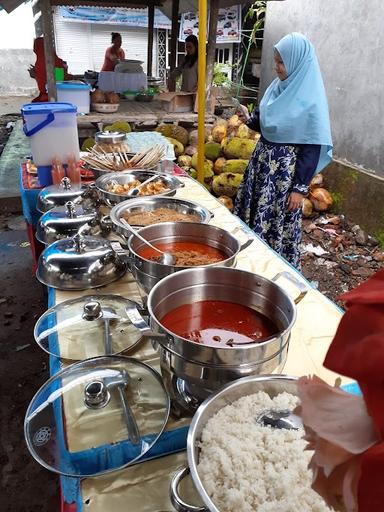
348 37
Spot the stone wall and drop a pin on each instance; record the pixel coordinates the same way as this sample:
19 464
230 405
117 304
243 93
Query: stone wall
358 195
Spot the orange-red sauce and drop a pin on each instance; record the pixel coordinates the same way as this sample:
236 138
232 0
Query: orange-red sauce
186 253
219 323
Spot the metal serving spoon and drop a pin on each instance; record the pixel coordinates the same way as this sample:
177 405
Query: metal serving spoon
166 257
280 419
136 191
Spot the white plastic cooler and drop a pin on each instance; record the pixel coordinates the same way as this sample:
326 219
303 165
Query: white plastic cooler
52 129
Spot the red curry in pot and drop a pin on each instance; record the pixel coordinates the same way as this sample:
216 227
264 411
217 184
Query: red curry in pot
187 254
219 323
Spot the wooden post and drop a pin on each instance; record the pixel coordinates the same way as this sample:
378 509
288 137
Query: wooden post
211 49
201 89
151 24
49 47
174 42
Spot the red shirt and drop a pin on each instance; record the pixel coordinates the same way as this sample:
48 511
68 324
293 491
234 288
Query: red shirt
109 63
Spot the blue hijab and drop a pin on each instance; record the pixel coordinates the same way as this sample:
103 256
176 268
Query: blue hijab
295 110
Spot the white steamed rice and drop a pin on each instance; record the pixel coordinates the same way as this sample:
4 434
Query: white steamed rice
247 467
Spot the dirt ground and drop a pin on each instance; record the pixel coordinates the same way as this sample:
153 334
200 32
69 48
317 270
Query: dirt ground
26 486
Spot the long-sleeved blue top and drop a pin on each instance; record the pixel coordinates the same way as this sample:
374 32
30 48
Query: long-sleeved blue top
306 160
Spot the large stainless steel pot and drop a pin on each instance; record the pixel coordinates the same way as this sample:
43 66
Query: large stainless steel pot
148 204
148 273
270 384
193 371
123 177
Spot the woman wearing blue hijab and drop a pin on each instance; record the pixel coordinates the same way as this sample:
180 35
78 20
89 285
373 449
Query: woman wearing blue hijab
295 144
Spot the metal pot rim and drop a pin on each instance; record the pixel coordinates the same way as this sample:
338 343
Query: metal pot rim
131 203
117 198
162 266
164 282
191 437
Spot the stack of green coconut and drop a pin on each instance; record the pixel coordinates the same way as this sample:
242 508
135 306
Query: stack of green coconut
228 147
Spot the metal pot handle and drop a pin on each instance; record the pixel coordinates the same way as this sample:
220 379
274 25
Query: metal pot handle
135 316
106 223
176 499
123 253
303 288
248 242
137 320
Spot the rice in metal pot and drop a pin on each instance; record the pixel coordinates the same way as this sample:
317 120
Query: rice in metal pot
248 467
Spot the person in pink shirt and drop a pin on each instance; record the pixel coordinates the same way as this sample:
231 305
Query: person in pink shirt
114 53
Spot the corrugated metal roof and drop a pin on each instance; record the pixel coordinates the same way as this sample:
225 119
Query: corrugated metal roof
164 5
11 5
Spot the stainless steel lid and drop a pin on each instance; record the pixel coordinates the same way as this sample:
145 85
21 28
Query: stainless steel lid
79 263
85 327
96 416
65 221
58 195
110 137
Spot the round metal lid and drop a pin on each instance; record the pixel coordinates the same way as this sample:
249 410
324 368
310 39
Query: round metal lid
58 195
65 221
79 263
85 327
110 137
96 416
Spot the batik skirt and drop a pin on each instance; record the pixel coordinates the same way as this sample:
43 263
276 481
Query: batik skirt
262 199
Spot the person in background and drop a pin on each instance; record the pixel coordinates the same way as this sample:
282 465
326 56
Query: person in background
39 72
188 69
114 53
295 144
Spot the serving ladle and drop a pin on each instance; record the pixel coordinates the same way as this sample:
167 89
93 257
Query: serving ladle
166 257
284 419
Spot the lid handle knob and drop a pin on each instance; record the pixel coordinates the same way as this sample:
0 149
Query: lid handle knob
65 183
96 395
92 310
71 209
78 242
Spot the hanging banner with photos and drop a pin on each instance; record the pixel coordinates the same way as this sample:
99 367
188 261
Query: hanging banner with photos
228 25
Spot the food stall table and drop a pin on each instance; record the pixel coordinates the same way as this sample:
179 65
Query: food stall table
145 485
121 82
137 113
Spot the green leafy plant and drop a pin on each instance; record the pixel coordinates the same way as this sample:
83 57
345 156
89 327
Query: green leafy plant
220 78
251 107
257 13
379 235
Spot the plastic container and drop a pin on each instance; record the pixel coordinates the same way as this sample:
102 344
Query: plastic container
52 129
77 93
59 74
